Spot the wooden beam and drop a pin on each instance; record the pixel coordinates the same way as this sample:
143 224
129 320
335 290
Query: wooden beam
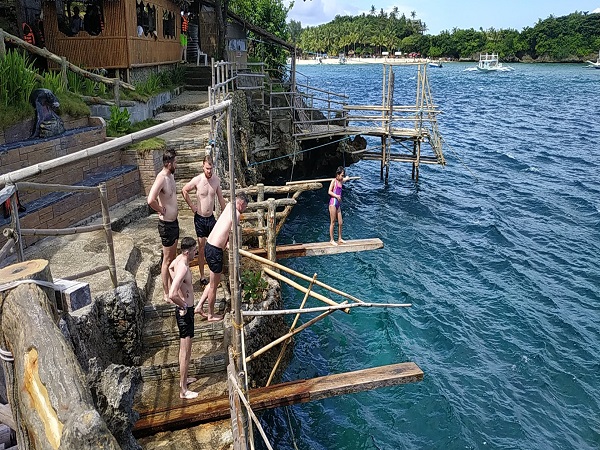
291 393
321 248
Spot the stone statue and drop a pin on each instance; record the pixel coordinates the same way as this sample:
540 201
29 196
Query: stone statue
47 123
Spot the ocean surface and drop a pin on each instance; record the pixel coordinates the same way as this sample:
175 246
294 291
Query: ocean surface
499 254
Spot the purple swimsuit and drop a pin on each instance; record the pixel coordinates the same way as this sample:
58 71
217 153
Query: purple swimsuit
337 190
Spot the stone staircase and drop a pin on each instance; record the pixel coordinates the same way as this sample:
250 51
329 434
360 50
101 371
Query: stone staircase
198 78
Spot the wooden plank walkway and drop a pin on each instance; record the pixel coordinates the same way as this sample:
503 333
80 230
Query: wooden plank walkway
321 248
302 391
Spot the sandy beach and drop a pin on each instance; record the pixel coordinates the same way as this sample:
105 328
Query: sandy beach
323 61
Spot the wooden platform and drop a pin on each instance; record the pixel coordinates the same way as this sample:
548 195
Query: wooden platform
302 391
321 248
376 156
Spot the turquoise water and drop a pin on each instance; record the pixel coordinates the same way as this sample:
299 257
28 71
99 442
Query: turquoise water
499 254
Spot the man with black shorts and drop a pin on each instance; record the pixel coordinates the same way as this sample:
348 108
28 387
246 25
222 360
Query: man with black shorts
213 252
163 199
207 187
182 294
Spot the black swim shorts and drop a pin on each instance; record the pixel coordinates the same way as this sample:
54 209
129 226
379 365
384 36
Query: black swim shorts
214 258
204 225
185 322
168 231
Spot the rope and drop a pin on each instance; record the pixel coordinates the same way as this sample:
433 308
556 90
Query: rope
237 326
6 355
461 161
290 427
288 155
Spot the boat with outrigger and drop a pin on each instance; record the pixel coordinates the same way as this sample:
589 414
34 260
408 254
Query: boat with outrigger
432 63
594 65
489 63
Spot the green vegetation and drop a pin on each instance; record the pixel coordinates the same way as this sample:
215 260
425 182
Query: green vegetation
120 125
574 37
119 122
270 15
253 286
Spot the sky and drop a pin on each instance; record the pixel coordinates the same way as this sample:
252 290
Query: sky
441 15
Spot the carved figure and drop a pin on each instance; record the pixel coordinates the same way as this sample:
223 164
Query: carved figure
47 123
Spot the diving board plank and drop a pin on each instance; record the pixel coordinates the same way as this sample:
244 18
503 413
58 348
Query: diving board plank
301 391
321 248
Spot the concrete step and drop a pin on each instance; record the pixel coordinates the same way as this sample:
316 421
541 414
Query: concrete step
197 87
163 333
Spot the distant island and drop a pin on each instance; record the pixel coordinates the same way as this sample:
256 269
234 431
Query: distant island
571 38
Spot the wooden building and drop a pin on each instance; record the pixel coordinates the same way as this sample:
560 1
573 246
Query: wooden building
114 34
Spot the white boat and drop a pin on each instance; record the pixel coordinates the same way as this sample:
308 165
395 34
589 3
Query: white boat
594 65
435 64
342 59
490 63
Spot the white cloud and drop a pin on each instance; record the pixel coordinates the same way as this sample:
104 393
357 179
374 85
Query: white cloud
597 10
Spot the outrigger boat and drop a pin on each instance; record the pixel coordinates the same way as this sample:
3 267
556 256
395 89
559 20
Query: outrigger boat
490 63
594 65
435 64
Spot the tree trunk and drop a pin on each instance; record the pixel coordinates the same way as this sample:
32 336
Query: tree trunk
221 8
47 390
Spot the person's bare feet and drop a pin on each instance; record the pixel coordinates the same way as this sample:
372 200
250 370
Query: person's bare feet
198 309
332 242
188 395
215 318
341 241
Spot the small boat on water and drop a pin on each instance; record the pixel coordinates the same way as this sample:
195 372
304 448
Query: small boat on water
342 59
594 65
435 64
490 63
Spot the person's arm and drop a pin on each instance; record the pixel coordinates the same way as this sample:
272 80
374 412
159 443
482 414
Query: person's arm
190 186
221 198
346 178
331 186
153 195
175 285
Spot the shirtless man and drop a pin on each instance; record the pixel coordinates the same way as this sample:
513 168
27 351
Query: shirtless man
182 294
163 199
207 187
213 252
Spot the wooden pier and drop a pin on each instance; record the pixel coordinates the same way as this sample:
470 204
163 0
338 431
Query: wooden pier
408 133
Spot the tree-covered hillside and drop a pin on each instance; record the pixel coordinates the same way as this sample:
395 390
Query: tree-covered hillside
574 37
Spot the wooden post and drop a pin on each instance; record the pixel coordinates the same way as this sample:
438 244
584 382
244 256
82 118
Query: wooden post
63 72
47 389
116 92
383 153
260 197
112 267
17 226
271 235
2 46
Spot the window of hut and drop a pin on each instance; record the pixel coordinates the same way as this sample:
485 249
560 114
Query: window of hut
76 16
168 24
146 19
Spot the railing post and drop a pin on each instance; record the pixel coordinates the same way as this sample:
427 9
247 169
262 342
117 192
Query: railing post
63 72
116 92
260 196
112 267
271 235
17 225
2 46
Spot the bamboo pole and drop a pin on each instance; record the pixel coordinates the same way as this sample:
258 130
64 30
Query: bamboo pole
2 46
7 249
260 197
114 144
319 180
63 72
87 273
288 188
60 232
285 337
285 344
28 186
277 202
295 285
298 274
17 226
117 92
271 235
283 312
112 267
57 59
250 412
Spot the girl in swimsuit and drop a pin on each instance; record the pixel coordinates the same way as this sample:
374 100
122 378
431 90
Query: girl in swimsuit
335 203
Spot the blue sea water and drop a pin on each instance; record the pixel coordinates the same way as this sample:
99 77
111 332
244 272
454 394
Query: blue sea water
499 254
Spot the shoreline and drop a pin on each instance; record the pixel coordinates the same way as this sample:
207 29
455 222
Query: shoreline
356 61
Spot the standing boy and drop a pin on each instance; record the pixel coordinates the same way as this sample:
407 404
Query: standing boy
207 187
182 294
163 199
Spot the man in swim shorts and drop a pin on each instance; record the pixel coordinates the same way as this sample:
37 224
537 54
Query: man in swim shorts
181 294
163 199
207 187
213 252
